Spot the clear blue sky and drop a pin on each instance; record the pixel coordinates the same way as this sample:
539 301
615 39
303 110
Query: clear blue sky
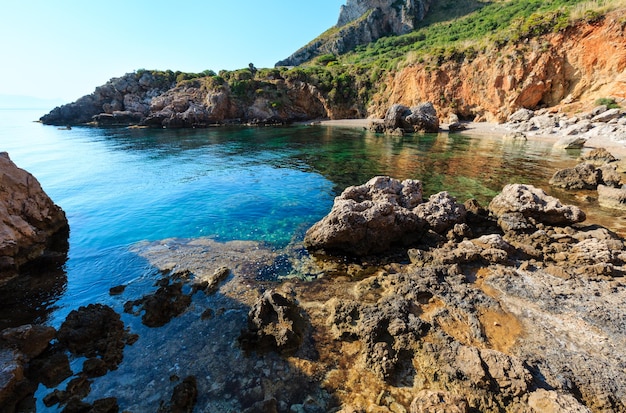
65 48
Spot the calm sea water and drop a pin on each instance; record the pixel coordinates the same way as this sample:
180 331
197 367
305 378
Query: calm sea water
120 186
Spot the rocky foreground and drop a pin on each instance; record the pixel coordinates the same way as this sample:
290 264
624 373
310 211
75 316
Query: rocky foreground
417 304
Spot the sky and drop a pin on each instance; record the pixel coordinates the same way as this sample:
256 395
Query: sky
63 49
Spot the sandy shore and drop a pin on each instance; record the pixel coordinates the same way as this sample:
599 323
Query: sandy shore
618 149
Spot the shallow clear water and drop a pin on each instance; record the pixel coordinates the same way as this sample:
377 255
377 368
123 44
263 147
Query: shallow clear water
120 186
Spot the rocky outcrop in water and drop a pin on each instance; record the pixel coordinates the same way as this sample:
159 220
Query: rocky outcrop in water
400 119
157 99
33 230
361 22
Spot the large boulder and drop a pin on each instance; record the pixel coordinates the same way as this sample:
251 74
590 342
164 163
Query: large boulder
370 218
32 227
614 198
582 176
420 118
527 202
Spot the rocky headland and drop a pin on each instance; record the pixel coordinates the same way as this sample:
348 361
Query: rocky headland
564 71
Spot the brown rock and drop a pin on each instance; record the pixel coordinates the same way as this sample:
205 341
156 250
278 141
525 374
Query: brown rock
428 401
582 176
32 227
370 218
275 323
612 197
531 202
550 401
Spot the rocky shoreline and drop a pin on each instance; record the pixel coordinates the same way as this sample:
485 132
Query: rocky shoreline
396 302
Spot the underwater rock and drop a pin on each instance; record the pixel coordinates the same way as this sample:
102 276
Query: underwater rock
184 397
95 331
160 307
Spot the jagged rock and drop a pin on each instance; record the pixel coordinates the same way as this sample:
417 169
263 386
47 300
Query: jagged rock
13 384
370 218
531 202
582 176
160 307
183 398
441 212
275 323
30 340
612 197
428 401
550 401
32 228
95 331
610 176
570 142
361 22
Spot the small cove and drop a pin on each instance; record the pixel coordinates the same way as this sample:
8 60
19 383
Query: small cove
122 186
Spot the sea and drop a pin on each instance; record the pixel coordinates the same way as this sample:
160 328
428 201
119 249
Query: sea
122 186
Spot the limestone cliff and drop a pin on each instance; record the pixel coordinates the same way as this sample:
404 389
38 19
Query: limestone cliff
583 63
361 22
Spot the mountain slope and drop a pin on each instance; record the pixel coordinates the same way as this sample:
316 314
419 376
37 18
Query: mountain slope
362 22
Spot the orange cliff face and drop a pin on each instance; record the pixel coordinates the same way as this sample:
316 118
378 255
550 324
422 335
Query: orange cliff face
581 64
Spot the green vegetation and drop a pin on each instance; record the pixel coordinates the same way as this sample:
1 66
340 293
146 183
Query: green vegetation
453 31
609 102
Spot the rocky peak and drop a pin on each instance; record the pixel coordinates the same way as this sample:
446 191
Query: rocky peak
361 22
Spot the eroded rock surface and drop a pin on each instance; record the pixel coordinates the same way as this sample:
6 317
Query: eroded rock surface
32 228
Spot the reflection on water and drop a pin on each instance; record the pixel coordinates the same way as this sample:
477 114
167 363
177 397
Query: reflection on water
121 186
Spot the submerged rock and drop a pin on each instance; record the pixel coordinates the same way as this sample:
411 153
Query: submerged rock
32 228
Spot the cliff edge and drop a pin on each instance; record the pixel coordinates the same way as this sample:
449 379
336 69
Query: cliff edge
361 22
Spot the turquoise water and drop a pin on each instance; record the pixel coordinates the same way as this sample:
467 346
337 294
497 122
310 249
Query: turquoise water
121 186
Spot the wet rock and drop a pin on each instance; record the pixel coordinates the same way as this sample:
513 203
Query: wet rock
582 176
528 202
211 283
30 340
95 331
159 308
428 401
51 368
184 397
265 406
614 198
13 384
370 218
275 323
32 228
